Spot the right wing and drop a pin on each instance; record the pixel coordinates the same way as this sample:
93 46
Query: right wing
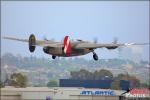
108 46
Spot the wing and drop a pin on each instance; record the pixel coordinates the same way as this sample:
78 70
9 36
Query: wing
49 43
108 46
16 39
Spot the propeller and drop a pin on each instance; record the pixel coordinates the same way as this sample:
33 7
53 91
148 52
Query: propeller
45 38
95 40
115 41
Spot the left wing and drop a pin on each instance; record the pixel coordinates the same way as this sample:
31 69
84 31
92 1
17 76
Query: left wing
49 43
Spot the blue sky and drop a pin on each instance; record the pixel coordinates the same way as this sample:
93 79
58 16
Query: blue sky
126 20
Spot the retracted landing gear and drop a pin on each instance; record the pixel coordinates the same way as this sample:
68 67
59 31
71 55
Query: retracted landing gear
95 57
53 57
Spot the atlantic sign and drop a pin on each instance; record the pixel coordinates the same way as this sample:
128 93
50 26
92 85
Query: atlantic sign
97 92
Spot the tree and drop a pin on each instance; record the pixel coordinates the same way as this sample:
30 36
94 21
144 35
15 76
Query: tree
86 75
132 79
115 85
82 74
18 80
52 83
145 85
102 73
135 81
1 84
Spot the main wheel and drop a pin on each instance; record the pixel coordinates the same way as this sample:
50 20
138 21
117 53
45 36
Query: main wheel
53 57
95 57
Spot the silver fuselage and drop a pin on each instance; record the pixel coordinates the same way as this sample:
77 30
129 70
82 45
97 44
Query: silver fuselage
59 51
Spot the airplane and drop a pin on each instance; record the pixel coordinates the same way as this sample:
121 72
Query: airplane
68 48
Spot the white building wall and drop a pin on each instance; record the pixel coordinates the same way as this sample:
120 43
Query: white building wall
40 93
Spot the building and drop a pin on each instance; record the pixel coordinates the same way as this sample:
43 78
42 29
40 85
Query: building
69 93
103 84
58 93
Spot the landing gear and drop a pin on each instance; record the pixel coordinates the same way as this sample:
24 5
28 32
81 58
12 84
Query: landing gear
53 57
95 57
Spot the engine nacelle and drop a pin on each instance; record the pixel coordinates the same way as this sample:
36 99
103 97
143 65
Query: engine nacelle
46 50
53 51
32 43
113 47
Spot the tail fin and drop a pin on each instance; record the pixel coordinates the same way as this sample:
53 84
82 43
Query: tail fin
67 45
